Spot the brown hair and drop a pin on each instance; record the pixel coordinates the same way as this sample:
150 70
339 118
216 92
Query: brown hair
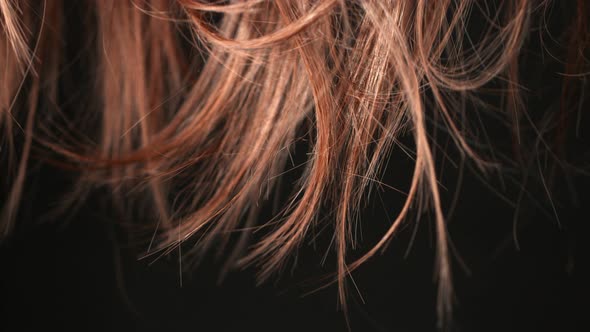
202 102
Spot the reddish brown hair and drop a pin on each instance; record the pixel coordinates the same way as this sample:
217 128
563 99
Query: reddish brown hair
208 98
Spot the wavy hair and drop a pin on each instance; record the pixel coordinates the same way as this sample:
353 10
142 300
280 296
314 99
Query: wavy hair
195 107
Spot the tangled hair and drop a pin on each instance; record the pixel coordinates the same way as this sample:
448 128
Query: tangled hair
194 107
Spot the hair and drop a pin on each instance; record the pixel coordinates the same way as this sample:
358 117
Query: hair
194 108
